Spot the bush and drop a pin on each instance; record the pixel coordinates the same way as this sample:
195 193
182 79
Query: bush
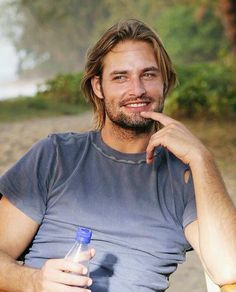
204 89
192 33
63 88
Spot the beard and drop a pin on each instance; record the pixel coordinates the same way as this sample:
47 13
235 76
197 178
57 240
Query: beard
133 122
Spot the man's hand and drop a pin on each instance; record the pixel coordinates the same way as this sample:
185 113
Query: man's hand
63 275
175 137
213 234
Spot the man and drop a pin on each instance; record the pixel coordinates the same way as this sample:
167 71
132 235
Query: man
134 181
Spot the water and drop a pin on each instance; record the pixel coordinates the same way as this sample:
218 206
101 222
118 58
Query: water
12 89
10 85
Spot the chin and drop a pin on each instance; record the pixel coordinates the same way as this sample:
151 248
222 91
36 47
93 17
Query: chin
144 126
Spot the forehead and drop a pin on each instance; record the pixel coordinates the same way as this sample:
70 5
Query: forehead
129 55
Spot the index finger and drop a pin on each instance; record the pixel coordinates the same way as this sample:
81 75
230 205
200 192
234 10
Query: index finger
159 117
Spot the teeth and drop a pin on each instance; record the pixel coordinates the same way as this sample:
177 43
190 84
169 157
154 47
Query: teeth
137 104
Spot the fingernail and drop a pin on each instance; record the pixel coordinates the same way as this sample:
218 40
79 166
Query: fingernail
85 271
90 282
149 160
93 252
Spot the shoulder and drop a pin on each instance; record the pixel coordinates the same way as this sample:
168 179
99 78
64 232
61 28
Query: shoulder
46 149
69 138
56 141
69 147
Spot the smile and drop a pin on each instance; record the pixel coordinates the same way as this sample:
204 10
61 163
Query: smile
137 104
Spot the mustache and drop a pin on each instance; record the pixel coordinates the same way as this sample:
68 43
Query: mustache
143 98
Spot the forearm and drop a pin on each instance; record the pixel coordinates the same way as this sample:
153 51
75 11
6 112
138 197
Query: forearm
13 276
216 224
216 220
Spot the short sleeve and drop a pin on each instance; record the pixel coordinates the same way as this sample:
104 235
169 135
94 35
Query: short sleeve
190 212
27 182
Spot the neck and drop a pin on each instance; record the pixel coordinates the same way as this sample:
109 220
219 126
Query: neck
125 140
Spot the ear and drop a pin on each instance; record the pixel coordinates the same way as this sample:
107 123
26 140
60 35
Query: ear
96 85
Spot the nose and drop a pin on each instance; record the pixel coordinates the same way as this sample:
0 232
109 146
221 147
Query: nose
137 87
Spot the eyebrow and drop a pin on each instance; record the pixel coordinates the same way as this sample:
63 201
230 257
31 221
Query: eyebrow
152 68
118 72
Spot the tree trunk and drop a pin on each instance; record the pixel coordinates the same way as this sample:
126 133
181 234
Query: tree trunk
227 12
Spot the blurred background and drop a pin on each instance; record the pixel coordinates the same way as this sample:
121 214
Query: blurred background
45 42
42 51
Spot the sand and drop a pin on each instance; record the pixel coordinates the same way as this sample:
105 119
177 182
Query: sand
16 138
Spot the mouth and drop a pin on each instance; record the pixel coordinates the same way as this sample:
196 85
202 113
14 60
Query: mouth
135 105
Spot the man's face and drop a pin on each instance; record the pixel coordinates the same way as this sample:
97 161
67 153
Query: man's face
131 83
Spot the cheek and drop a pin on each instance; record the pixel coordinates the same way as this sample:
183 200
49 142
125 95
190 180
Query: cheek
114 91
155 89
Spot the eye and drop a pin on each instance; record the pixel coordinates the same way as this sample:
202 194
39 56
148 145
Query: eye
119 78
149 75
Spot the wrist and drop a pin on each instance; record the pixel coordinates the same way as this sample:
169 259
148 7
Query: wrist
202 158
30 280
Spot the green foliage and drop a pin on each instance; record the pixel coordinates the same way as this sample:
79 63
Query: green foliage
192 33
36 107
53 36
58 96
204 90
50 36
63 88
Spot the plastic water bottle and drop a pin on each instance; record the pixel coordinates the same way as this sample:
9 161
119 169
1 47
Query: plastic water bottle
82 241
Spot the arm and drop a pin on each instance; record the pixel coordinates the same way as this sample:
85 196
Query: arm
216 226
213 235
16 232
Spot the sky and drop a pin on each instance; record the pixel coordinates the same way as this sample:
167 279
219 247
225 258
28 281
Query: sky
10 85
8 61
8 58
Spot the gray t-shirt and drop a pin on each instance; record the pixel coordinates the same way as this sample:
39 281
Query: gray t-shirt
137 212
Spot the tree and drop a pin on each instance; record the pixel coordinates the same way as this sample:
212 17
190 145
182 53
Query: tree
228 15
192 33
53 36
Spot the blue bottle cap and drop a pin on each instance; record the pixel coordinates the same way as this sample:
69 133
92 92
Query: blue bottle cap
84 235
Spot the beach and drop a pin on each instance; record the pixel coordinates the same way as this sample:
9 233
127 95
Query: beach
16 138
